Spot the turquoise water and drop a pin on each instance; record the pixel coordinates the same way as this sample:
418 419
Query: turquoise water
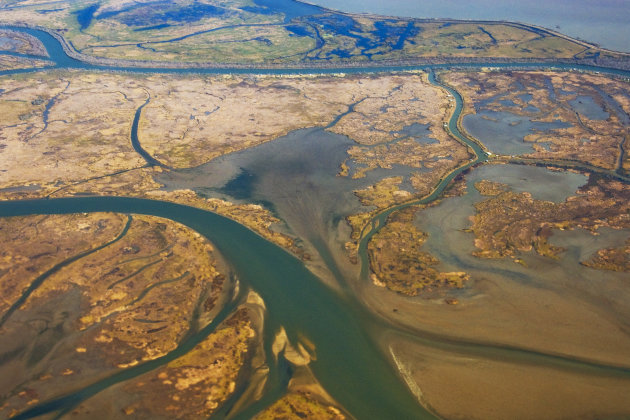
62 60
348 365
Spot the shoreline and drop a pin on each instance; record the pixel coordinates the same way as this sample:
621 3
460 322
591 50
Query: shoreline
519 24
622 62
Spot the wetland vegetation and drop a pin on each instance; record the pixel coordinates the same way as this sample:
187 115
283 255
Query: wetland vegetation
434 275
256 32
139 285
542 115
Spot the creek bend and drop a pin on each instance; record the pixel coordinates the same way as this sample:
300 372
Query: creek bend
349 363
62 60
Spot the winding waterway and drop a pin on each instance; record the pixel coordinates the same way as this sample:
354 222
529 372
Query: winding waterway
480 156
63 61
350 365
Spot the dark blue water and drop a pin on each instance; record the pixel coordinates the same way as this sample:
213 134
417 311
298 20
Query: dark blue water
149 28
298 30
304 18
85 16
163 13
289 8
386 33
241 186
62 60
46 11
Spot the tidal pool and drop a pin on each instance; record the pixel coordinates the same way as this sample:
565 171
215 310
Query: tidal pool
446 222
504 132
504 300
587 106
448 241
582 244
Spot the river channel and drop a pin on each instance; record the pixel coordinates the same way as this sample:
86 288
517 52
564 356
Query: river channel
350 364
61 60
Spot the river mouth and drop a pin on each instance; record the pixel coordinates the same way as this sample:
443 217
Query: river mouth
555 307
348 364
303 309
296 177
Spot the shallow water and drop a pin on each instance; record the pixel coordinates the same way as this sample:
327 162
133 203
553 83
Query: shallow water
449 243
303 160
349 365
296 174
296 177
293 302
587 106
505 300
503 132
602 21
583 244
541 183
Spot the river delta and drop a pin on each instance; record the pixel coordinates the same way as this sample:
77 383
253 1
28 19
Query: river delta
342 242
258 32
